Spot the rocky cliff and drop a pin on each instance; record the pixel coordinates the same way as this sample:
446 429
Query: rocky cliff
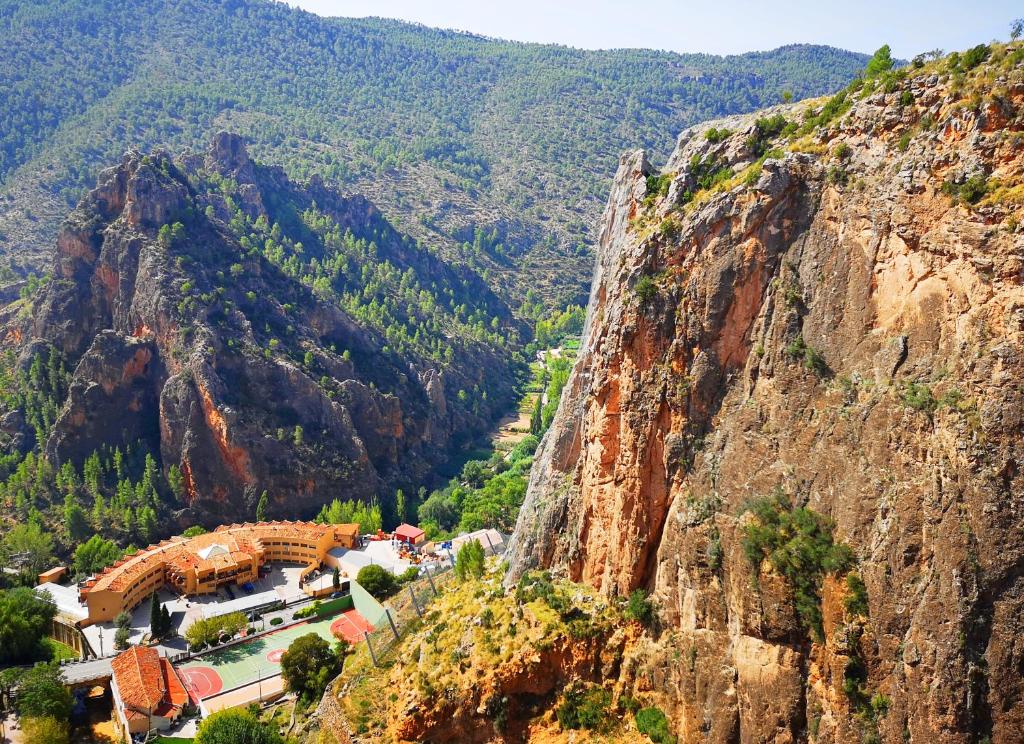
260 335
807 330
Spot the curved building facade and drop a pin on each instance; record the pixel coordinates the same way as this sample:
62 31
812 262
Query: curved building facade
231 554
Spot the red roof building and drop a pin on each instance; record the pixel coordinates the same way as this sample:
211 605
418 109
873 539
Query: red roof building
409 534
147 692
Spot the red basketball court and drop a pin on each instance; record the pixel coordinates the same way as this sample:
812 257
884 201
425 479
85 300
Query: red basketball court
351 626
201 682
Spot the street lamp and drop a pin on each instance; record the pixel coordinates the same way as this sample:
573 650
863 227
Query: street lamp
101 642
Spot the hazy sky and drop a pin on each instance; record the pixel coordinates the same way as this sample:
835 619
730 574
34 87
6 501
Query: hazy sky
723 27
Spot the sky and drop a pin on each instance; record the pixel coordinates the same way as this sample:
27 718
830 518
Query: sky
723 27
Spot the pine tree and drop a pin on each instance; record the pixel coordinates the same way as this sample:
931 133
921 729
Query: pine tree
261 507
155 617
75 522
336 579
147 523
536 420
165 620
176 481
99 512
91 471
119 463
400 505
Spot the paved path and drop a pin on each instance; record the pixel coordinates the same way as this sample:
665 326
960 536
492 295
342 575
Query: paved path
86 671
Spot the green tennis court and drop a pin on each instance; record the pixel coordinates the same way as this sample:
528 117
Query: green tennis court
212 673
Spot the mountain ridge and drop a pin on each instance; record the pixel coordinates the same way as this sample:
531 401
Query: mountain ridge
508 138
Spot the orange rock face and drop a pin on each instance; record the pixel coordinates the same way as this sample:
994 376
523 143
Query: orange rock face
841 329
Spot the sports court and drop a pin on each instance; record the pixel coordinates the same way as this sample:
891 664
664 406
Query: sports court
213 673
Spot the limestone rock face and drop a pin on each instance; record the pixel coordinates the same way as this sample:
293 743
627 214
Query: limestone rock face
167 333
833 324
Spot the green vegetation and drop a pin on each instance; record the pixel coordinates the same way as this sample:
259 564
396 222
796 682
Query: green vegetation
261 506
368 101
715 135
41 693
856 600
975 56
868 709
45 730
798 544
880 63
969 191
237 726
639 608
767 129
94 555
469 561
378 581
488 493
208 631
653 723
585 707
367 516
657 186
707 173
160 624
811 357
24 622
645 289
835 107
34 546
308 665
919 396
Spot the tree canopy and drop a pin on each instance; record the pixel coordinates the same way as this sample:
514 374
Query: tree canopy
308 665
235 727
377 580
25 617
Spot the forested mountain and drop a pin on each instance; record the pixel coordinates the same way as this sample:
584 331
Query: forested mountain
217 339
499 152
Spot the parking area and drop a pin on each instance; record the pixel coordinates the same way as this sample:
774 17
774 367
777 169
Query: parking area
278 581
384 553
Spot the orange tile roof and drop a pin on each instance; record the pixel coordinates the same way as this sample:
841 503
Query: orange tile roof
176 696
242 541
140 678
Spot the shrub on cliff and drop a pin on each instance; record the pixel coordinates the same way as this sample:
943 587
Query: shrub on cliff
653 723
975 56
585 708
645 289
798 543
469 562
639 608
715 135
881 62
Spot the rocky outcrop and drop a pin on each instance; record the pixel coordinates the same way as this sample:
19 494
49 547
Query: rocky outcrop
839 322
228 367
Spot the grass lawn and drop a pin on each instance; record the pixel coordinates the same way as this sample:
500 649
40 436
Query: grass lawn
57 651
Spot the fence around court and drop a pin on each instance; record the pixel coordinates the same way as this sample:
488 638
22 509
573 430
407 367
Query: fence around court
404 607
